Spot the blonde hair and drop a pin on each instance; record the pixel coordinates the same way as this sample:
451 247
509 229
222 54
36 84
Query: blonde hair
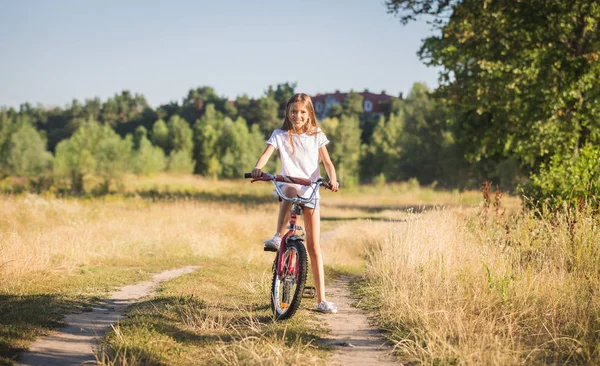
311 127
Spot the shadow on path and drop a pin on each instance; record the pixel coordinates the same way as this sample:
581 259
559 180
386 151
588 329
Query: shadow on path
75 344
380 208
23 318
368 218
184 195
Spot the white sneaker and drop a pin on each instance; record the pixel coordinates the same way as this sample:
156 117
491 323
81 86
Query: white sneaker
327 307
273 243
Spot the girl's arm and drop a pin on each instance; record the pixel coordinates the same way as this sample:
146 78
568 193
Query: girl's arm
329 168
262 161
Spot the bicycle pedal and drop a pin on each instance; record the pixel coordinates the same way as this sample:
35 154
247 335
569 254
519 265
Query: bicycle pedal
309 292
270 249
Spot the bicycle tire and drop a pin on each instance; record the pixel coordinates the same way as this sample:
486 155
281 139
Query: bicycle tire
282 305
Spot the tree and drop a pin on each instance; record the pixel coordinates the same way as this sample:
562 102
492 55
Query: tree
181 145
146 159
424 138
243 104
26 153
122 108
572 179
94 150
160 135
522 75
180 135
196 101
140 134
207 132
266 114
240 147
383 153
281 94
22 148
345 148
353 104
181 162
112 158
6 128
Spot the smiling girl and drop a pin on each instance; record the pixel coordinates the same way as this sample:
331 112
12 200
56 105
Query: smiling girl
302 145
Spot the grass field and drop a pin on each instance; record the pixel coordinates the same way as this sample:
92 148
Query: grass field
452 282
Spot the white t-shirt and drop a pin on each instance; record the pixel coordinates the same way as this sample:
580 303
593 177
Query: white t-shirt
304 161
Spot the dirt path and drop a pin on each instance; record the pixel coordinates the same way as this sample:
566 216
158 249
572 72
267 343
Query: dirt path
74 344
355 341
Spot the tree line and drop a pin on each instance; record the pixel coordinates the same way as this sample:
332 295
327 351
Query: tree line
209 135
419 137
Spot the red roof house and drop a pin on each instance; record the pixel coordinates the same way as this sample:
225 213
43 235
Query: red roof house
372 103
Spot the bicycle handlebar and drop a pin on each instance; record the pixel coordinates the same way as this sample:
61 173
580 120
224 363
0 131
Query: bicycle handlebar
294 180
288 179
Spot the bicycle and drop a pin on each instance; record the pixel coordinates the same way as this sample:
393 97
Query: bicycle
291 262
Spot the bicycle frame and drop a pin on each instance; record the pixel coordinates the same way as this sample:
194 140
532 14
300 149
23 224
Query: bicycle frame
297 209
291 233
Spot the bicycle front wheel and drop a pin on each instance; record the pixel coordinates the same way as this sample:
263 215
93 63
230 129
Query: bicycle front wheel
288 287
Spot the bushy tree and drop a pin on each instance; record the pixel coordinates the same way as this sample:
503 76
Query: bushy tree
94 150
122 108
266 115
573 179
6 128
146 158
194 105
160 135
383 153
353 104
225 148
22 148
345 147
181 162
282 93
181 146
240 147
180 135
207 132
425 137
26 153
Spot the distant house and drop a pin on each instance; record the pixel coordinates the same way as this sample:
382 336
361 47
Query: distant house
372 103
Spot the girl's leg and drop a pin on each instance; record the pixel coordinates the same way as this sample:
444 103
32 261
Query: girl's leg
312 221
284 210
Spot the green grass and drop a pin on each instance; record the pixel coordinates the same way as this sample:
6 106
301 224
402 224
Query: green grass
218 314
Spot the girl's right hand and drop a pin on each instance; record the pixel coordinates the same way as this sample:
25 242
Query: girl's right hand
256 173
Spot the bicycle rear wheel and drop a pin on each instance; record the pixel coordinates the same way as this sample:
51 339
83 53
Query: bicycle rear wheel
287 290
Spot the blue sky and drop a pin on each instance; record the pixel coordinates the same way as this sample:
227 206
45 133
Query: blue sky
53 51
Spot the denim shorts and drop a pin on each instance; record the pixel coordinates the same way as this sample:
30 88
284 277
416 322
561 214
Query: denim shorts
314 204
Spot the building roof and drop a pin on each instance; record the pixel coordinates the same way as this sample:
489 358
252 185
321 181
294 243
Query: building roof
372 102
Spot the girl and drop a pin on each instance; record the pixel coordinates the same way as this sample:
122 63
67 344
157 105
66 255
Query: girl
302 144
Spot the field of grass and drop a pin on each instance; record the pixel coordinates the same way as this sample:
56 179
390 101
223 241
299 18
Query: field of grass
452 281
462 289
60 254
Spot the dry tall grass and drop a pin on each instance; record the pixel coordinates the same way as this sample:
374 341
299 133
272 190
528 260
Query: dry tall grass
455 288
45 237
63 248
